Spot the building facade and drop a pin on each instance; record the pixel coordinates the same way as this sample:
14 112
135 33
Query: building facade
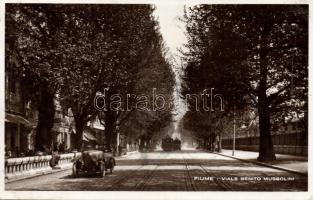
20 117
63 128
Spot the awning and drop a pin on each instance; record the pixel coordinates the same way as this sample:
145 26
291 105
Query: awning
17 119
87 136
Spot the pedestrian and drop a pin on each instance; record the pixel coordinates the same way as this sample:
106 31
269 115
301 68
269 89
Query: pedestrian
54 162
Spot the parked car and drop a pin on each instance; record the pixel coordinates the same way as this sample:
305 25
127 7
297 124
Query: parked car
93 162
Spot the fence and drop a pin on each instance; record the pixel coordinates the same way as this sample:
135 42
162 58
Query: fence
16 165
283 143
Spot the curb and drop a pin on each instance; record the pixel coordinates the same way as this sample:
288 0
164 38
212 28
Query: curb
265 165
131 152
127 154
34 173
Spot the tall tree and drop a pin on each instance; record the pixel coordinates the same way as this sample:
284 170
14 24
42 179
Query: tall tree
30 32
255 54
77 51
142 60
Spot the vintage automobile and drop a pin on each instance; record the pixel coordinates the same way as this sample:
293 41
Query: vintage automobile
93 162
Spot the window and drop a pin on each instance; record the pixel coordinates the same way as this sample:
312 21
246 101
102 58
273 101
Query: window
12 82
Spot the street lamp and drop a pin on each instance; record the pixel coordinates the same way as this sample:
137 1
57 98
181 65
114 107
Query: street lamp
117 139
234 136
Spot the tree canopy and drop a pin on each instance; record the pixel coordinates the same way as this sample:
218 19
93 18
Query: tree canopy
78 50
255 55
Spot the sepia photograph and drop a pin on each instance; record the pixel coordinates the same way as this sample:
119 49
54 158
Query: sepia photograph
155 97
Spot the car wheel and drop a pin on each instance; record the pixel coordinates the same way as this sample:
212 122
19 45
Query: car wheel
74 171
112 163
102 169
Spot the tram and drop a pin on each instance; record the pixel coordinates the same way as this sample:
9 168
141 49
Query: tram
170 144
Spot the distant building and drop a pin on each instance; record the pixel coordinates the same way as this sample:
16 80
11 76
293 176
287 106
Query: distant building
64 127
94 133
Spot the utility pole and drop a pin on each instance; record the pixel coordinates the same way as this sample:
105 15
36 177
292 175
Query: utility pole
234 136
117 135
117 140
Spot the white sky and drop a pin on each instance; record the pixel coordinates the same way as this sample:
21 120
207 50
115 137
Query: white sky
171 27
172 30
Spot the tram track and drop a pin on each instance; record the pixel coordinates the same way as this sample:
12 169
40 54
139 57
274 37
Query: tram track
189 181
146 179
119 181
142 185
220 183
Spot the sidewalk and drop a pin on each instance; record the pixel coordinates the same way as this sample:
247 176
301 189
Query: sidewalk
292 163
35 172
47 170
126 155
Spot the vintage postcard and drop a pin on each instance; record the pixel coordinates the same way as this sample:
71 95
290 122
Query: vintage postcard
155 100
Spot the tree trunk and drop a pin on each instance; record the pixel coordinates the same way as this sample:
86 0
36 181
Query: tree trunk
79 126
213 144
109 130
219 147
266 150
206 142
46 110
209 143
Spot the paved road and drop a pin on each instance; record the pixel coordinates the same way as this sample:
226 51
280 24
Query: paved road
175 171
